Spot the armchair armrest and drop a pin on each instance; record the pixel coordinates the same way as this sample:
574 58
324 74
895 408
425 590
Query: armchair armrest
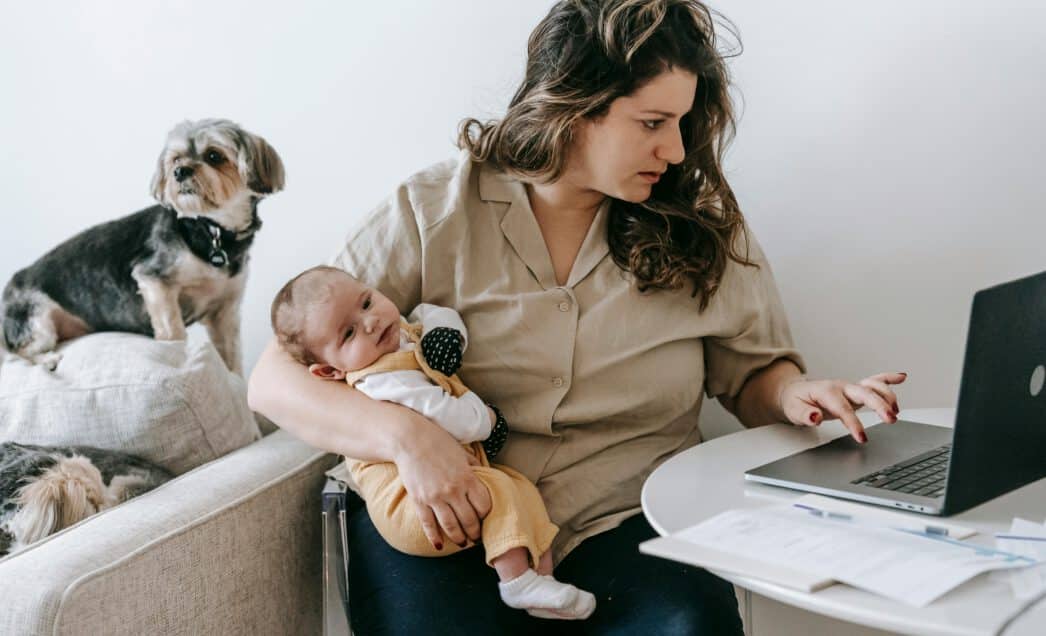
233 546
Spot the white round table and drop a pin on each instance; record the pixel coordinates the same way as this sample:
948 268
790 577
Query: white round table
708 479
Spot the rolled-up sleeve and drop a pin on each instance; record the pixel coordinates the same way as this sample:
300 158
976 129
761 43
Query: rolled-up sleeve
754 329
384 251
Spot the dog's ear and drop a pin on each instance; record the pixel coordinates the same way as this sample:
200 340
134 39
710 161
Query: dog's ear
159 183
260 167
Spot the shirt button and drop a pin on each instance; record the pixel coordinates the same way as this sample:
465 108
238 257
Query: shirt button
557 382
564 306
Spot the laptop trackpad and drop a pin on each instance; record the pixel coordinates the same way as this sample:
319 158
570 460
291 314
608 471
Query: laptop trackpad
844 460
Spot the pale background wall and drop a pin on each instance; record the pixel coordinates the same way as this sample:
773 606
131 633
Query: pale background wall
888 155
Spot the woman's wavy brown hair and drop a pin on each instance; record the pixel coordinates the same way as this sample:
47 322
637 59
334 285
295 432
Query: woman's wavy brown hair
581 57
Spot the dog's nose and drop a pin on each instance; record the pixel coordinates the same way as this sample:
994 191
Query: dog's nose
181 173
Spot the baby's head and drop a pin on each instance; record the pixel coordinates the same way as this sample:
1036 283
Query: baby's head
331 322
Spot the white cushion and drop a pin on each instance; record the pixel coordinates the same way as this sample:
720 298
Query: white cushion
173 403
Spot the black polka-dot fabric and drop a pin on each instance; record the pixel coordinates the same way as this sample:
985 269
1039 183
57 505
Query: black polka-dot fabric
442 349
492 445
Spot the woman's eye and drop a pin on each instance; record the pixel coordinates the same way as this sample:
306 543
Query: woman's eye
652 124
366 304
213 157
350 333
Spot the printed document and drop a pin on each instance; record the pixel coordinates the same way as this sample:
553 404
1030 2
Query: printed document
907 566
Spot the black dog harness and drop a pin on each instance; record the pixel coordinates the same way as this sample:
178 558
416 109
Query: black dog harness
215 244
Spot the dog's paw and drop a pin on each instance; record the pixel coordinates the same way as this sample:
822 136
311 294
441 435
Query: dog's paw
48 360
170 333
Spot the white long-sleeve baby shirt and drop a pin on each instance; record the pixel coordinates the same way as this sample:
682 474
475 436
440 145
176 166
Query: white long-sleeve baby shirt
467 418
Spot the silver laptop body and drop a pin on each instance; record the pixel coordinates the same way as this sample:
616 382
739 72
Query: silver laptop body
999 440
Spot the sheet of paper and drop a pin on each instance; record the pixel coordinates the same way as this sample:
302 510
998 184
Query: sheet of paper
912 569
1026 582
679 550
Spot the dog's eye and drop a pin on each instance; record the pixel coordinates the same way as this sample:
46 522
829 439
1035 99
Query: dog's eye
213 157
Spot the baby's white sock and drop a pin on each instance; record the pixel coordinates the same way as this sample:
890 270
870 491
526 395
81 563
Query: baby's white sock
545 597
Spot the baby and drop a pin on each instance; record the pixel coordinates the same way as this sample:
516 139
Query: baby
344 330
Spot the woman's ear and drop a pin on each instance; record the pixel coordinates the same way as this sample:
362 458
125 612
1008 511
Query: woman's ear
326 372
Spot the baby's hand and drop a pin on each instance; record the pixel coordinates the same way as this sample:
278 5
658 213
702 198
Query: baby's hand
442 349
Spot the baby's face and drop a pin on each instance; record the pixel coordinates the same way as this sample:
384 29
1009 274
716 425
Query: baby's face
355 326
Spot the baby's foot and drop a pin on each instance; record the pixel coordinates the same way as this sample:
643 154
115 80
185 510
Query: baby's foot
581 609
545 597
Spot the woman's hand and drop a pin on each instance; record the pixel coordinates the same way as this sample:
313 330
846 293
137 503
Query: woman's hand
810 402
436 471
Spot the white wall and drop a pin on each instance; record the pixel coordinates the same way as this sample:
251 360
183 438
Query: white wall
888 154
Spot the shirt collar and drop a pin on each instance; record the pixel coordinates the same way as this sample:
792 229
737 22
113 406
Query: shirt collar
521 230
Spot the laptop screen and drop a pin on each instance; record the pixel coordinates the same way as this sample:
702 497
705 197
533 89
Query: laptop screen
1000 424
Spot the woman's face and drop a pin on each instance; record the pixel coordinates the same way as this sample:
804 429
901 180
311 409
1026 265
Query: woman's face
623 153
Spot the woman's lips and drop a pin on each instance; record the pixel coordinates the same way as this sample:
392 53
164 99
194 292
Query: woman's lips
386 335
650 177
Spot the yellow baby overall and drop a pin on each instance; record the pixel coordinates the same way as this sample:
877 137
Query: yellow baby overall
517 517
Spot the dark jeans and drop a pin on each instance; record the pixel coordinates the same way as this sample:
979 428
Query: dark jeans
393 593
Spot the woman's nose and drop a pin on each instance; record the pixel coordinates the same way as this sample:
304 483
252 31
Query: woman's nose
370 324
670 148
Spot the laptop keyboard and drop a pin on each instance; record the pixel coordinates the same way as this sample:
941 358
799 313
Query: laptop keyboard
924 475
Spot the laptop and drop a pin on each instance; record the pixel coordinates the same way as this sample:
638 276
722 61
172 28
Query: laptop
999 440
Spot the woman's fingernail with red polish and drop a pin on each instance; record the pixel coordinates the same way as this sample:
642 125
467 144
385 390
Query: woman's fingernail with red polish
439 546
864 438
813 417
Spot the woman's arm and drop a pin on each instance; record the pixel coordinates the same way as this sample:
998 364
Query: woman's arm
780 393
758 403
332 416
324 414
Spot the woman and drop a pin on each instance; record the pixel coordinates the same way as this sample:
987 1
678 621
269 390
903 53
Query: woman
599 259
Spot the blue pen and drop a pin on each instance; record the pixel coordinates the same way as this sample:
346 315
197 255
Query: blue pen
1018 537
937 531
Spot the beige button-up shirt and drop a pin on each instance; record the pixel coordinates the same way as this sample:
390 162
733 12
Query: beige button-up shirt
599 383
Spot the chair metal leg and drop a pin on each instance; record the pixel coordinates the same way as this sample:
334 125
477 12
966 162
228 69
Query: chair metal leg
336 621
